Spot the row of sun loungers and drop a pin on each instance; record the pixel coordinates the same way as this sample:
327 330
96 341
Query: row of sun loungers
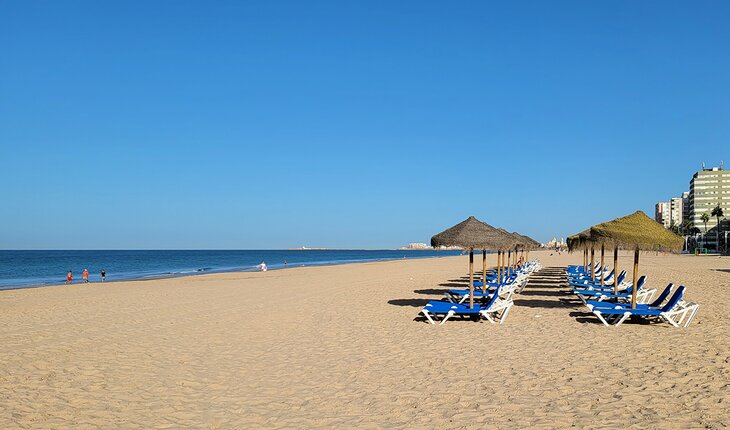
494 305
613 308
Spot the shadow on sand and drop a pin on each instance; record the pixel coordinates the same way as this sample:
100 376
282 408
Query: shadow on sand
416 303
431 291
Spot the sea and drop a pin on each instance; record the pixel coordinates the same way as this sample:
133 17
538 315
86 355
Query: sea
26 269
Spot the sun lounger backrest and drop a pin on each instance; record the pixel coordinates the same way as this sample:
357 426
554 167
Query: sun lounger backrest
621 277
656 303
494 298
674 300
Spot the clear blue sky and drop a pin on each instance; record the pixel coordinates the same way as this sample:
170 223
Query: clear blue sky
242 124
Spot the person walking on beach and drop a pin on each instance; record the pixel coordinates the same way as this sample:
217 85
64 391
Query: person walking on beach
103 275
69 277
85 276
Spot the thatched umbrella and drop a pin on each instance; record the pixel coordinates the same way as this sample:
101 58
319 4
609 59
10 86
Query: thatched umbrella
472 234
638 232
526 243
582 241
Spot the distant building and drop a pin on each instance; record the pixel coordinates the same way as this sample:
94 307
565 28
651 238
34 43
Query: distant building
708 189
669 213
418 245
661 213
675 211
555 244
685 206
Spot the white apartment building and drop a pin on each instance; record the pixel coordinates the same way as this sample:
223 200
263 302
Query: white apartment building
675 211
669 213
708 189
661 213
685 205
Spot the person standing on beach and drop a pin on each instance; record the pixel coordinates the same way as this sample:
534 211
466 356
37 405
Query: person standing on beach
69 277
263 266
85 276
103 275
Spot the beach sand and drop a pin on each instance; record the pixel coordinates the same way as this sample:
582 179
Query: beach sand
338 347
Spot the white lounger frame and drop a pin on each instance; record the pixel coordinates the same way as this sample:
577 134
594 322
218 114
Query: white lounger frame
498 311
683 312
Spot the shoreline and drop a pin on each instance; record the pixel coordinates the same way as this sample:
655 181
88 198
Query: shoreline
202 272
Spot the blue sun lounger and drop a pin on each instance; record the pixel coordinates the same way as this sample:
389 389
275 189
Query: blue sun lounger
493 282
495 308
621 314
642 293
656 303
587 282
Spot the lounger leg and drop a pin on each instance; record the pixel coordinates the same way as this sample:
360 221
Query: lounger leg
600 317
682 315
428 316
448 315
692 315
622 319
666 318
449 297
504 314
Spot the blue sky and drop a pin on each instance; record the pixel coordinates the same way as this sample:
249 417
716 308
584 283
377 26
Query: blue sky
177 124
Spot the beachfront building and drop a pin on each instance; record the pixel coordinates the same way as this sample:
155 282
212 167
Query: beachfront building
669 213
685 206
708 189
661 213
675 211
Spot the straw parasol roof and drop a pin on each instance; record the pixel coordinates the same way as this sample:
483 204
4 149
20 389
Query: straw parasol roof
472 233
636 231
518 241
580 240
526 242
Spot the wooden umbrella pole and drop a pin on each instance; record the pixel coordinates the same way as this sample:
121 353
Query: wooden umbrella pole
585 260
615 269
484 271
498 269
509 262
602 247
636 278
471 278
593 258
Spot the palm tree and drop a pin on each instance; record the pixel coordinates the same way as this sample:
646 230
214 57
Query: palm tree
686 226
717 212
705 218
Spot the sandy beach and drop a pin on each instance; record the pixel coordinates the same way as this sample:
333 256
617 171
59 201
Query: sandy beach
338 347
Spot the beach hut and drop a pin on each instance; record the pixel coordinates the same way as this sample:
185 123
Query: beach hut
635 232
473 234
